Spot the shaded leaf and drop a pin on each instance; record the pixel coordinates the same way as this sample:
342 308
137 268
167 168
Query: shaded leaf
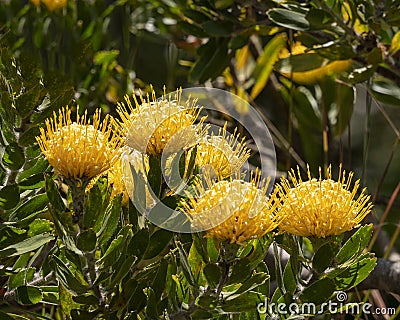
265 63
289 19
26 295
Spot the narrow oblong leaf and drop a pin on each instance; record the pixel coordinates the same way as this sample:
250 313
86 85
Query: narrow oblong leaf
26 245
265 63
289 19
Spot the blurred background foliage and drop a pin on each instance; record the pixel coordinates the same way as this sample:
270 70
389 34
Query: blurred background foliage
324 75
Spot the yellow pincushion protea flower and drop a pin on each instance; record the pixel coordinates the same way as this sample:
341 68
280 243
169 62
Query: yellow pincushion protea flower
222 156
79 150
158 126
233 211
321 207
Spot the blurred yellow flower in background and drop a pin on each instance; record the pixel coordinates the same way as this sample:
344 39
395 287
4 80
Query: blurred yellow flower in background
222 156
51 4
321 207
157 126
233 211
313 76
79 150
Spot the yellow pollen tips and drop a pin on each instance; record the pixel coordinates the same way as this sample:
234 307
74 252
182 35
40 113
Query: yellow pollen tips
79 150
221 156
164 125
321 207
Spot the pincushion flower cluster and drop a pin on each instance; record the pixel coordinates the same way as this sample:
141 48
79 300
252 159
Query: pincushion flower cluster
225 207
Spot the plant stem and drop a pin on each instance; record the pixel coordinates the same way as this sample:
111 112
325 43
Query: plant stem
78 199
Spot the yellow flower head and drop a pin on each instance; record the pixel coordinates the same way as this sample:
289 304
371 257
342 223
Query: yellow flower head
158 126
79 150
233 211
222 156
321 207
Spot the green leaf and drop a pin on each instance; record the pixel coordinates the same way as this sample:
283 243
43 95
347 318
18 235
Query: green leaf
151 308
28 137
213 274
246 302
86 240
67 278
33 167
356 273
386 91
355 245
112 254
111 220
289 19
253 282
300 63
155 175
324 256
39 226
26 245
93 202
159 280
139 243
159 240
13 157
207 301
251 261
9 196
200 243
33 182
57 205
318 292
21 278
184 262
33 205
86 299
66 301
213 59
289 279
265 63
361 74
319 19
122 270
27 295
